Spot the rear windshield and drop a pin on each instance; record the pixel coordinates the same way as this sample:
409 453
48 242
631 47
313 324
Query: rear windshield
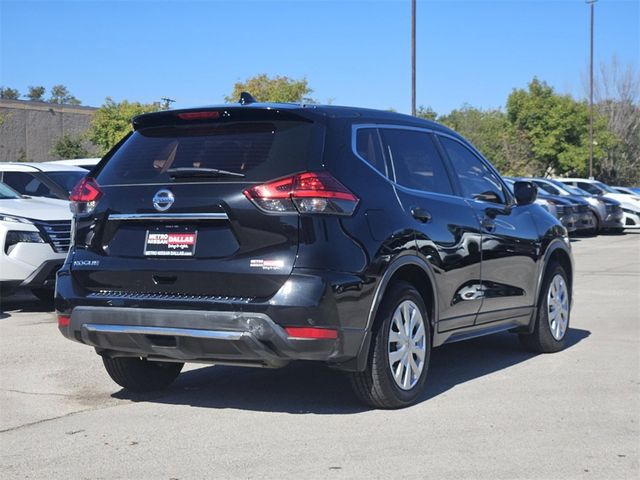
259 150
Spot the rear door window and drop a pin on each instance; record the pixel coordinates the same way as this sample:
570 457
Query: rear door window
416 161
258 150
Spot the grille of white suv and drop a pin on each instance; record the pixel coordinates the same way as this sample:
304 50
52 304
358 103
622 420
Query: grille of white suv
57 233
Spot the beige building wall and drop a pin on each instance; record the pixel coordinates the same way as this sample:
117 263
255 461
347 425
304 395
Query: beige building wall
30 129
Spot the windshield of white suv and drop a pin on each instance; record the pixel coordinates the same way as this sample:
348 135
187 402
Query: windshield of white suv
6 193
576 191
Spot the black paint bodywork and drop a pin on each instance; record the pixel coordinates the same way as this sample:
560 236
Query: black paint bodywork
478 267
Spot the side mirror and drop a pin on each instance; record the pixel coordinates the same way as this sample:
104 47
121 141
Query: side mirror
525 192
488 196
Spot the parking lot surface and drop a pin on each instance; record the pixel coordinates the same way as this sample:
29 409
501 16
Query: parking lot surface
491 410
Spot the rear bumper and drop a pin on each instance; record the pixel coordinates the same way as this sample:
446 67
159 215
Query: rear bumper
222 332
192 336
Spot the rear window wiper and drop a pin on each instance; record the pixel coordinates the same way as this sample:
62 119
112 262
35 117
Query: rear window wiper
190 172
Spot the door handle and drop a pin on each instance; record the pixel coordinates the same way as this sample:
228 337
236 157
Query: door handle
420 214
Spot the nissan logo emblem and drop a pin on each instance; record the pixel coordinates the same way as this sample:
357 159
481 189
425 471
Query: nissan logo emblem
162 200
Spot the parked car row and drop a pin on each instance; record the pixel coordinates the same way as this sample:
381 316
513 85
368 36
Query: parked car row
581 211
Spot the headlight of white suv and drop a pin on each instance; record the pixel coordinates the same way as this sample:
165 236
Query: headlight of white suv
11 218
15 237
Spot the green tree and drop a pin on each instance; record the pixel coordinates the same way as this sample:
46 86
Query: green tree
112 121
426 113
557 128
491 133
69 146
617 96
60 95
36 94
9 93
276 89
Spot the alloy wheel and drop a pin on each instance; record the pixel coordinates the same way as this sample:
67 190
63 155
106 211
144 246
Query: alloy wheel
407 344
558 307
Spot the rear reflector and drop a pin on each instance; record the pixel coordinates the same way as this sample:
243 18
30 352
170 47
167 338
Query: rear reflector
310 192
198 115
64 320
311 332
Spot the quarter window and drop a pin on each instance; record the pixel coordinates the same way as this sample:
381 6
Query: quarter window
416 161
368 148
476 179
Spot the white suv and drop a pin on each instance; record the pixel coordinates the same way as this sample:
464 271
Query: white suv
41 179
34 239
630 204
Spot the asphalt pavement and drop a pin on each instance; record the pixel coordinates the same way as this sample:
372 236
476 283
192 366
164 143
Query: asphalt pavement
491 410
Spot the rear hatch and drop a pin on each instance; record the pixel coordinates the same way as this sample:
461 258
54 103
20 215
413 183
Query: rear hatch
172 218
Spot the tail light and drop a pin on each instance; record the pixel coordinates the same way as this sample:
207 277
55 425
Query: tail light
84 196
310 192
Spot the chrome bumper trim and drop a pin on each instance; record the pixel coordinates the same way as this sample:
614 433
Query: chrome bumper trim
167 331
168 216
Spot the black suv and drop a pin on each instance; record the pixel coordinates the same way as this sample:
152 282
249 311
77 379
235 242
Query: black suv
257 234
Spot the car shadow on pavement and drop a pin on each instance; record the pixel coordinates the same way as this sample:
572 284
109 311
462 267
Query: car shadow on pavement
463 361
19 303
310 387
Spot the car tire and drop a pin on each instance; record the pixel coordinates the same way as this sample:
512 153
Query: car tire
43 294
552 315
141 375
396 346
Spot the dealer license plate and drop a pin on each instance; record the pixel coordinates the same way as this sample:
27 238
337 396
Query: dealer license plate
170 243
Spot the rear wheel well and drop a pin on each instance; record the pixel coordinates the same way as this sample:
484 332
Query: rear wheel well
419 279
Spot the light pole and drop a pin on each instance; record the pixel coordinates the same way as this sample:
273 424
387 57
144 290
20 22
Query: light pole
591 4
413 57
166 103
